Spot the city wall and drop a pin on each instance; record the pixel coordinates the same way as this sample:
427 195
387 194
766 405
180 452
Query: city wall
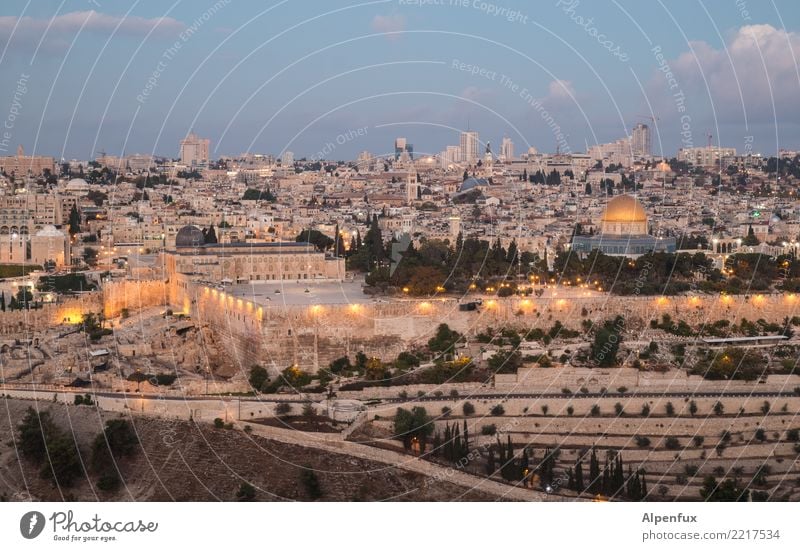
312 335
278 335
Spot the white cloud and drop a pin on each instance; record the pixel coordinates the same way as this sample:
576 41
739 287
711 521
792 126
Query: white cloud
759 67
388 24
560 90
28 31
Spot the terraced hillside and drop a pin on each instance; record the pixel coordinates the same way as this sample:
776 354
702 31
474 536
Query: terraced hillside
184 461
676 443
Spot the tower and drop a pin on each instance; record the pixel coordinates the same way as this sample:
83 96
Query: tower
412 188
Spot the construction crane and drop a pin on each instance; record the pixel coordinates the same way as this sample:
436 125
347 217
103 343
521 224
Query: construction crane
653 118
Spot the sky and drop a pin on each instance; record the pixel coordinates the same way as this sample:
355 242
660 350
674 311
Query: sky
331 78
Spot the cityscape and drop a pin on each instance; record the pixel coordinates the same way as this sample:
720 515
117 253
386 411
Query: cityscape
416 291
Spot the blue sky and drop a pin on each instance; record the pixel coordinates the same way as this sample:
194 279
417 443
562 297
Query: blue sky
305 75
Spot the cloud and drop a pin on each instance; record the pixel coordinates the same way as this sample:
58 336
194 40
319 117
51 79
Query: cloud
560 90
27 32
388 24
757 67
477 94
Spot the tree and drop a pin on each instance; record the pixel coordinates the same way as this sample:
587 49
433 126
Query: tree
692 408
468 409
338 245
321 241
210 235
118 440
728 490
750 240
34 429
74 220
413 426
670 409
444 340
310 482
719 409
284 408
246 492
258 377
606 342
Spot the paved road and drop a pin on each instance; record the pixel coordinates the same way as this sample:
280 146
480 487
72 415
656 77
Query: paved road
293 399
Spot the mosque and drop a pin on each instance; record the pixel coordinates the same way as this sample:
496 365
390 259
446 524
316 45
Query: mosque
623 232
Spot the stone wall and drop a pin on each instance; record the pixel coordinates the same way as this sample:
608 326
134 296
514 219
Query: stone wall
311 336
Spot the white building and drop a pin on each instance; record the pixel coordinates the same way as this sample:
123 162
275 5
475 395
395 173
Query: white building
194 150
705 156
640 140
506 150
469 147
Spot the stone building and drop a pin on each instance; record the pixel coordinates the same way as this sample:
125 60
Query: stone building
248 261
623 232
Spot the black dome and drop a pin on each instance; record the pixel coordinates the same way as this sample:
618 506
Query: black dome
189 236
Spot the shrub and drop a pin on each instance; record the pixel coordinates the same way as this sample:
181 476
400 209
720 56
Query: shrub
468 408
620 411
446 411
284 408
566 391
642 441
570 410
793 435
595 410
645 410
545 409
761 435
310 482
498 410
489 430
246 492
584 390
670 409
219 423
672 443
698 440
622 389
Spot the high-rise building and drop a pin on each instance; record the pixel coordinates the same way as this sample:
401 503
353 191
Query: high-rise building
401 146
287 159
506 150
469 147
194 150
640 140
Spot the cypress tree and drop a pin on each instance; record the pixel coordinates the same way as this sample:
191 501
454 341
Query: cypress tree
644 486
466 440
579 475
594 473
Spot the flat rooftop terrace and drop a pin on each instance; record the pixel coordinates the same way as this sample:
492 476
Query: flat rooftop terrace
290 293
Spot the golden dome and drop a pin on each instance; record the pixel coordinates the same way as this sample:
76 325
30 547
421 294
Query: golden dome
624 208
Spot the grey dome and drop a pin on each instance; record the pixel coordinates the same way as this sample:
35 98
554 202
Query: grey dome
189 236
473 182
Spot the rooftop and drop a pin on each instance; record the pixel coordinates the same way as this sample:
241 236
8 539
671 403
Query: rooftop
289 293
